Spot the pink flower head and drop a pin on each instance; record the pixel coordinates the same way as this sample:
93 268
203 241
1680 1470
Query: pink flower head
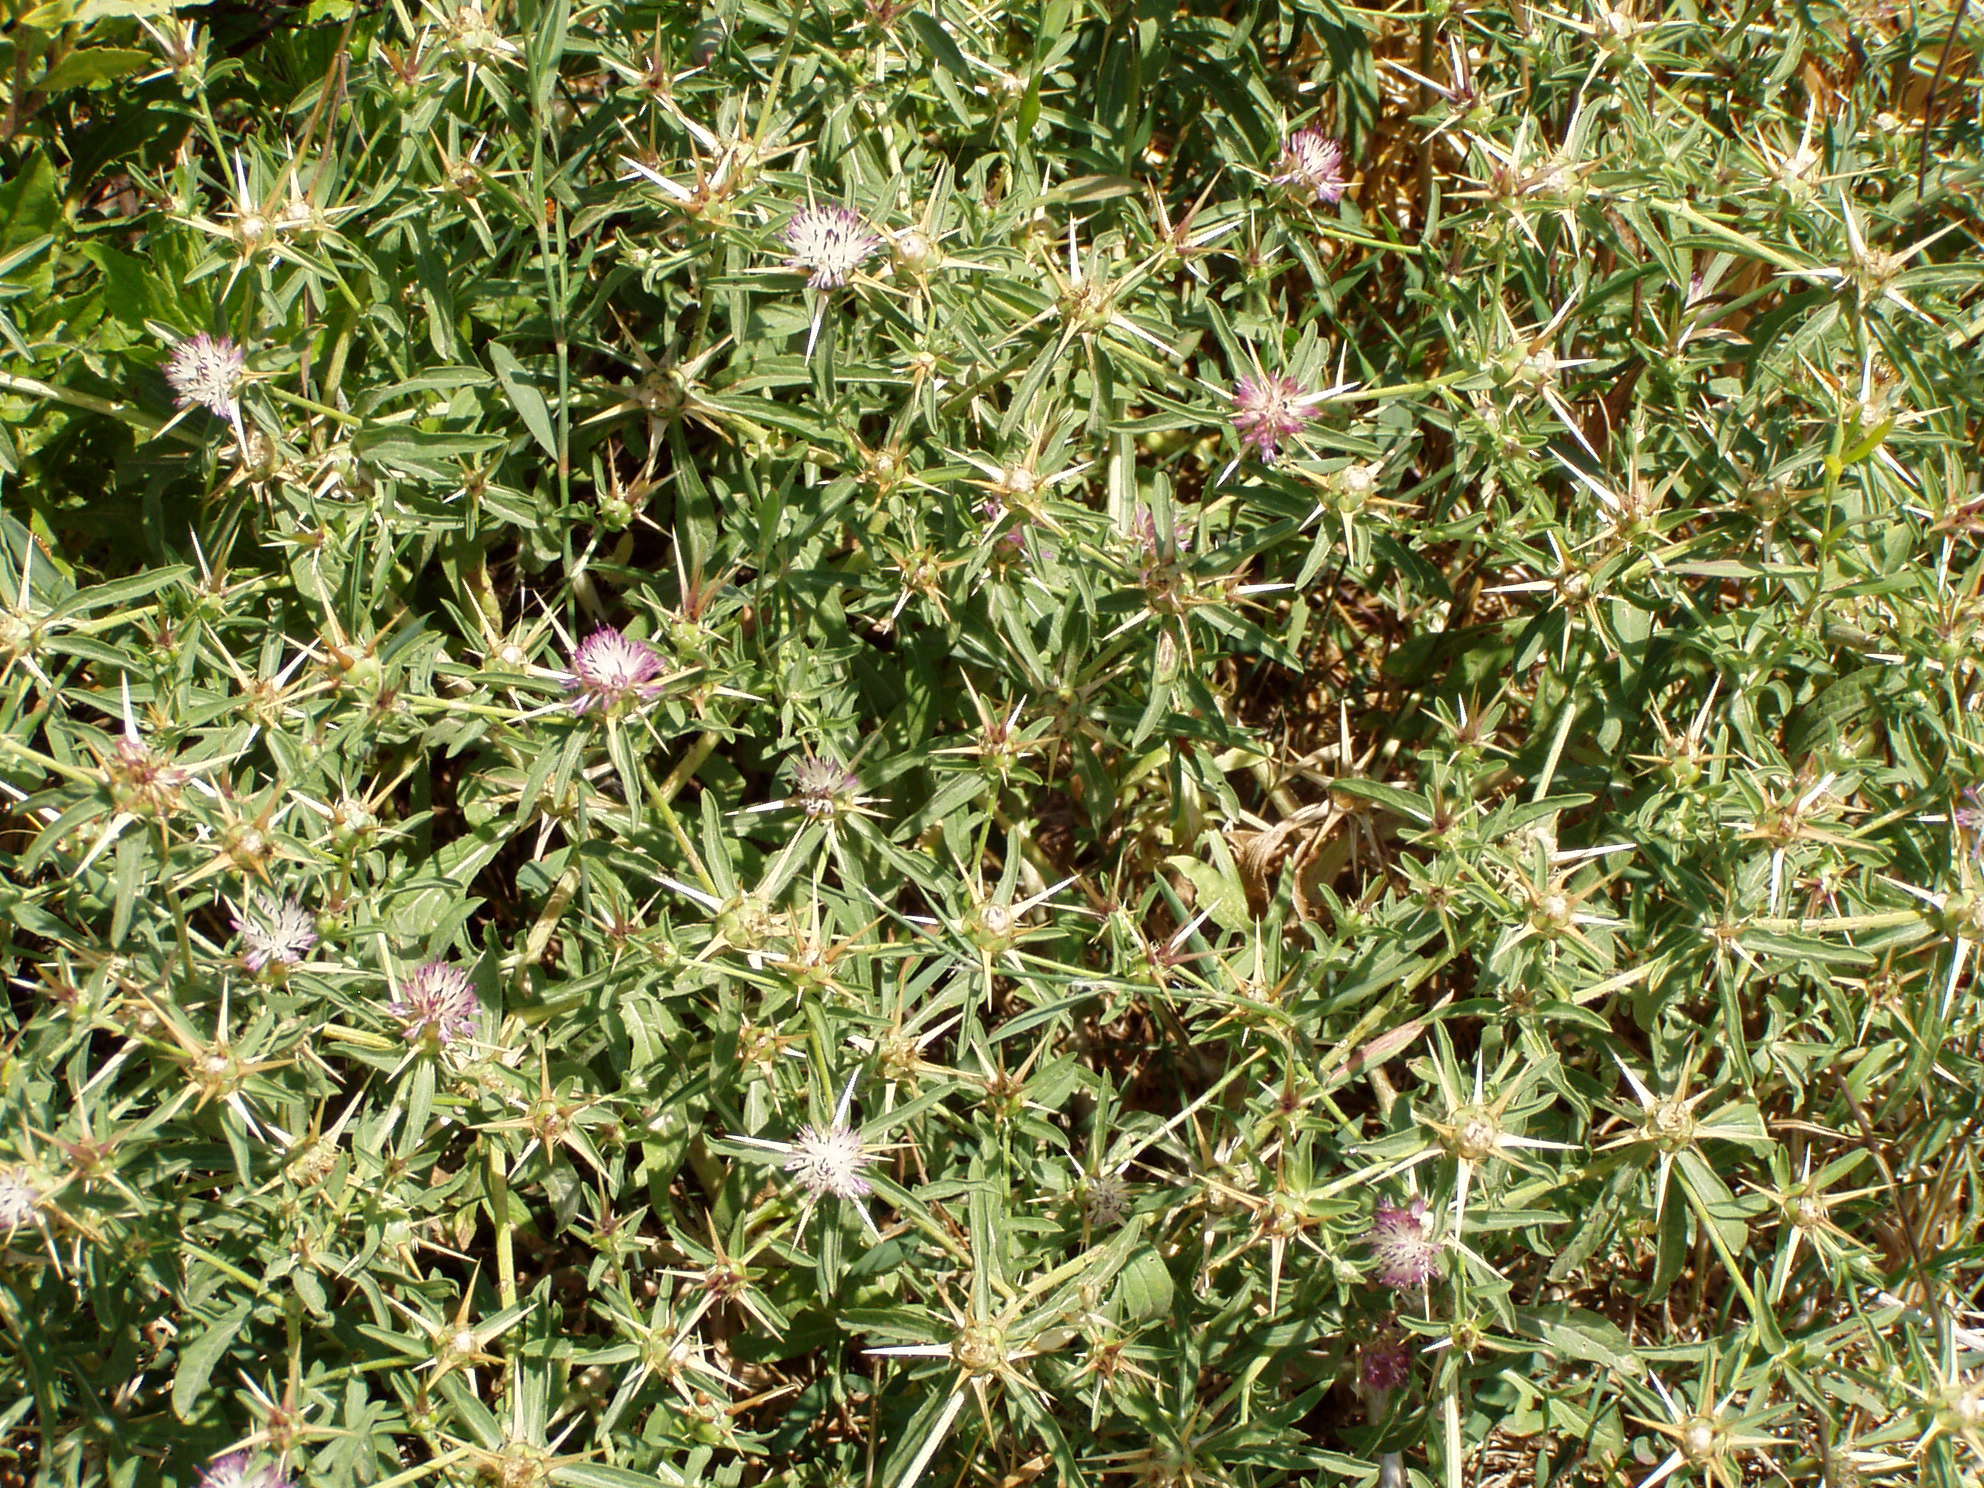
1402 1243
829 243
1268 409
206 370
1312 161
1969 819
233 1471
608 669
437 1002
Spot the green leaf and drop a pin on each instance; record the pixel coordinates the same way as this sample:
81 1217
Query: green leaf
197 1360
599 1475
1220 892
1144 1289
92 67
525 399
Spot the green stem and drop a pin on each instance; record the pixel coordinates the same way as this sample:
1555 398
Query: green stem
297 400
499 1209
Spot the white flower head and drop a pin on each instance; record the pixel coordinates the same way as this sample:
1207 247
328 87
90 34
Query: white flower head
20 1195
829 1160
279 931
829 243
207 370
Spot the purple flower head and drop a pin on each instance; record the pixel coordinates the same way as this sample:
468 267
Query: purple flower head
437 1002
233 1471
1268 409
1312 161
280 930
1402 1243
608 669
829 243
1384 1362
206 370
1969 819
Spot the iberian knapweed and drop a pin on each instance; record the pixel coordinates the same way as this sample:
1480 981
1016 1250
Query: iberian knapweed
610 670
437 1002
1384 1362
235 1470
1269 408
829 1160
1312 162
20 1196
1968 819
828 244
1402 1243
278 931
208 370
823 787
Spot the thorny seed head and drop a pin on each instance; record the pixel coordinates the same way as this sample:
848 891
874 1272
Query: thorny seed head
1669 1124
979 1348
829 1160
278 931
207 370
1701 1437
829 243
1402 1243
140 778
1476 1134
1355 484
993 926
437 1002
745 922
1805 1209
915 250
1107 1201
1269 409
1312 162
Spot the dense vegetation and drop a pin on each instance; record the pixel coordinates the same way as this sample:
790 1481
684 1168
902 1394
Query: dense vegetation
954 743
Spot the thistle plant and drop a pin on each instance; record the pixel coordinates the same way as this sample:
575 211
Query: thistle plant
907 744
